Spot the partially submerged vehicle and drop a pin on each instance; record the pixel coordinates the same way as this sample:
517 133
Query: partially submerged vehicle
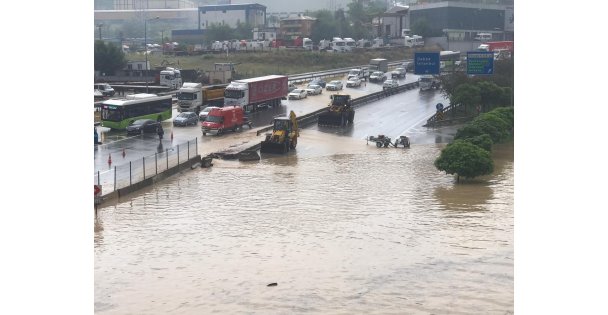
284 135
339 113
384 141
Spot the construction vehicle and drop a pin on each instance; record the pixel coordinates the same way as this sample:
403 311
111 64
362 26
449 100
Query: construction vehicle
284 135
339 113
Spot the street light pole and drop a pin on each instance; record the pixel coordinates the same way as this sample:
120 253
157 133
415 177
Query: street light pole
146 47
99 27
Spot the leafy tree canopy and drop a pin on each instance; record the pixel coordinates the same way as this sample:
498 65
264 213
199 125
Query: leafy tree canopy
466 95
465 159
108 58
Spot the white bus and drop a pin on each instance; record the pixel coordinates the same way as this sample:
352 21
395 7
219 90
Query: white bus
119 113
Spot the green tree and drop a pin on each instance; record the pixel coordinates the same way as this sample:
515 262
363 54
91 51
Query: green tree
506 114
421 27
468 131
493 127
108 58
464 159
466 95
491 95
483 141
219 32
324 27
243 31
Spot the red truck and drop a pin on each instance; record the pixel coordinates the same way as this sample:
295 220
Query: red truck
256 93
226 118
497 46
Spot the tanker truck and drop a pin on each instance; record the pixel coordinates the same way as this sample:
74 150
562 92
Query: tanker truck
256 93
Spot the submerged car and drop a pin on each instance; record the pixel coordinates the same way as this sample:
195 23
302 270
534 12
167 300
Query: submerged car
334 85
203 114
314 89
297 94
185 119
142 126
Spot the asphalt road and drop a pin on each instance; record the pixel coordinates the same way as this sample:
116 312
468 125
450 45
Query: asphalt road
400 114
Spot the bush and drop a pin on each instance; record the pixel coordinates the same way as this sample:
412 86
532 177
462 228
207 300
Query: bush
464 159
483 141
468 131
505 113
491 129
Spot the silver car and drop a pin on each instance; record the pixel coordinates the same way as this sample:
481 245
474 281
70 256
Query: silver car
297 94
334 85
185 119
314 89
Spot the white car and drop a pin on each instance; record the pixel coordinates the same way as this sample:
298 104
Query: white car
353 81
377 76
398 73
334 85
297 94
314 89
389 84
203 114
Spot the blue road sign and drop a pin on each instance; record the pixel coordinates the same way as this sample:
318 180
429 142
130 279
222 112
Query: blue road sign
480 62
426 63
439 107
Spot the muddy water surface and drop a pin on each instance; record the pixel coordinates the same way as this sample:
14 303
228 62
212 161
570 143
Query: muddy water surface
342 228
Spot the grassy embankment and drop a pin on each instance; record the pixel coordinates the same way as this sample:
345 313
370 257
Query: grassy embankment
278 62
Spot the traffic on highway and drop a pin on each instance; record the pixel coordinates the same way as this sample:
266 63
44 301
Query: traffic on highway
403 113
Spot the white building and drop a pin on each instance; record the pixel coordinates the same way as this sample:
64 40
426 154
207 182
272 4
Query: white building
232 14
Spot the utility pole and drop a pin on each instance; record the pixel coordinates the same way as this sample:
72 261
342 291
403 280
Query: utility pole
146 46
99 27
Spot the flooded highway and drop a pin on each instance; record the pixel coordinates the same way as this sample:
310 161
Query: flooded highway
340 226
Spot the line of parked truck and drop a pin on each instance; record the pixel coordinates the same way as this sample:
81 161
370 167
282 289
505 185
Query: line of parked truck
336 44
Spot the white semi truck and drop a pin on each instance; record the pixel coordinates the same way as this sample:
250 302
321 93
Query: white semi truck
192 97
171 77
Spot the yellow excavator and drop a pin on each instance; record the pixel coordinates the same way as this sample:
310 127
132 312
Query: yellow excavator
284 135
340 112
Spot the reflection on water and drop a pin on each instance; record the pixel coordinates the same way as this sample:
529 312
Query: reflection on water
361 230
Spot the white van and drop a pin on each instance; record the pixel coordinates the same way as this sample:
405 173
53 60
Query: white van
483 37
105 89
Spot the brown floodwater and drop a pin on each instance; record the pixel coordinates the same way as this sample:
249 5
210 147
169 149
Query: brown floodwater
340 226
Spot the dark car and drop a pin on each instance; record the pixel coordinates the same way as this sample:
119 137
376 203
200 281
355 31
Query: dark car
319 81
142 126
185 119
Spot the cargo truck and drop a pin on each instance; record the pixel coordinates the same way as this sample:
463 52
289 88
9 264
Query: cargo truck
256 93
378 64
192 97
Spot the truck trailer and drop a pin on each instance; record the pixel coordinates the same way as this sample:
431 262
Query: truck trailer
256 93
